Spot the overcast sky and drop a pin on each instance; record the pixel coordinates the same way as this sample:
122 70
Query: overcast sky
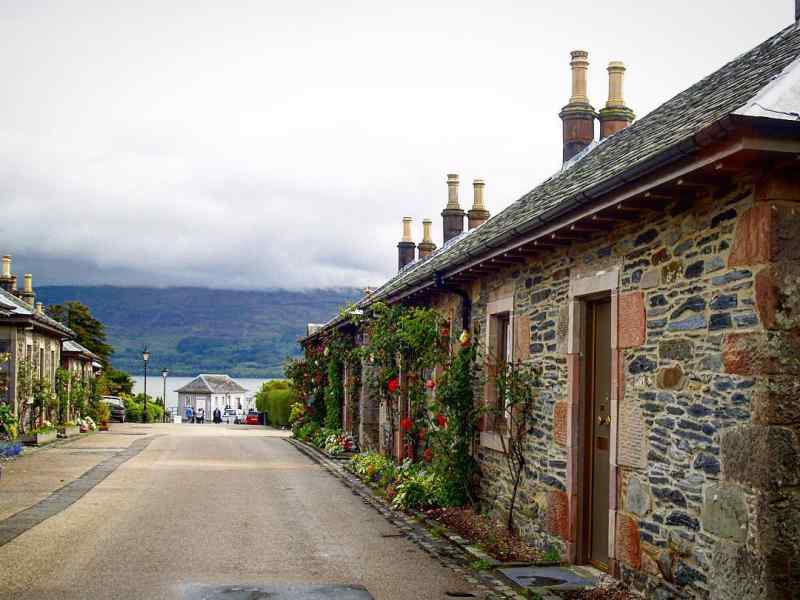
278 144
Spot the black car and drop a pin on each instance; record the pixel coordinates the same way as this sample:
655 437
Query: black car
117 407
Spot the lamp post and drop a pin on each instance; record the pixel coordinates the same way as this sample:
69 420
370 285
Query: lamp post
145 358
164 374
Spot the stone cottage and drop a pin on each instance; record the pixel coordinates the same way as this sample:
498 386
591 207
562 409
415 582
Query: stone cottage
27 337
655 280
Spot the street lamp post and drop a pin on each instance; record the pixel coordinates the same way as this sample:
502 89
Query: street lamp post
145 358
164 374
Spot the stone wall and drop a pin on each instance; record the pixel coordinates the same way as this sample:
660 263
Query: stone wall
705 311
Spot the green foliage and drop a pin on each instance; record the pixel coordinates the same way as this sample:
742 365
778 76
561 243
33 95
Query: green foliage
8 422
62 394
552 555
481 565
417 487
307 432
134 408
373 467
297 412
90 332
334 394
517 384
115 383
275 399
453 443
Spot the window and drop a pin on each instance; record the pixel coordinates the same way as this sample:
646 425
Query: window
499 351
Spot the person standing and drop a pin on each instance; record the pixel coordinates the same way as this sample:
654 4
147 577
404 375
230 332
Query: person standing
201 415
189 414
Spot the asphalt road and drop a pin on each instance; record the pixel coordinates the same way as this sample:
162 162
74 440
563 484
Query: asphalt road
216 506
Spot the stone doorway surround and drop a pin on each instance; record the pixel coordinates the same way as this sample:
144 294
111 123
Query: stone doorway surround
583 288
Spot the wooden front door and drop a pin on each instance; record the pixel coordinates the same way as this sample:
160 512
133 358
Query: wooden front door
598 430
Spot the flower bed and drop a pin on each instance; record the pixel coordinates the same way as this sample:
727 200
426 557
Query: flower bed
41 436
69 430
489 534
333 442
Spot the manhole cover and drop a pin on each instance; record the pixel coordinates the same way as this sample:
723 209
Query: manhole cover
286 592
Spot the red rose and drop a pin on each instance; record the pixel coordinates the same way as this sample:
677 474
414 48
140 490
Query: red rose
393 385
427 455
430 384
406 424
441 420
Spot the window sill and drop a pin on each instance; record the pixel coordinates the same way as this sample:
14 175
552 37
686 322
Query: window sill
491 440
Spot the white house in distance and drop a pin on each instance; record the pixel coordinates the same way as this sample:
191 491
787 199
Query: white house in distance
210 391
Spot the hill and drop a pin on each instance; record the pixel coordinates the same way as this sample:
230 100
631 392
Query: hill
199 330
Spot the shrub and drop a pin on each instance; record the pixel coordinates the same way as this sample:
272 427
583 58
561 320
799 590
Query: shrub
8 422
416 487
374 468
338 443
307 431
278 406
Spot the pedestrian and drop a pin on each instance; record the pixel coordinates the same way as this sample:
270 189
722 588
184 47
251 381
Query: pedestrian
217 416
189 414
201 415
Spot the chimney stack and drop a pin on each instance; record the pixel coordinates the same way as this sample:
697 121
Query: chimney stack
578 115
478 214
426 246
6 279
615 115
27 294
452 215
405 249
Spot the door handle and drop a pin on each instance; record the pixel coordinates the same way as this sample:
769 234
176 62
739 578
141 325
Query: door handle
604 420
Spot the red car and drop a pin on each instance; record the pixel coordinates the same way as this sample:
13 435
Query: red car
252 418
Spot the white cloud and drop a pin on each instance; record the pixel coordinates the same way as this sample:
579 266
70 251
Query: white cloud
263 144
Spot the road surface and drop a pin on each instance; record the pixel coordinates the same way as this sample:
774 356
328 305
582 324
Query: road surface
208 505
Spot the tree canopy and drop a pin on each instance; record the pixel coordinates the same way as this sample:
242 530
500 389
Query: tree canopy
90 332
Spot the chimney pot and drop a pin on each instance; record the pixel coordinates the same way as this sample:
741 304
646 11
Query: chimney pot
405 249
39 308
6 266
28 289
426 246
578 115
615 116
452 215
478 214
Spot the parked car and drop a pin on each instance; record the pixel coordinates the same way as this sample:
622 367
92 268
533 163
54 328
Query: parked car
252 418
232 415
117 407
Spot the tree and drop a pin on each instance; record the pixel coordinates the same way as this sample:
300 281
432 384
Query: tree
517 386
115 383
90 332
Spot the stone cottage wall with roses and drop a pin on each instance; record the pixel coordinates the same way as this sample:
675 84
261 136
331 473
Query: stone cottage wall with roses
694 299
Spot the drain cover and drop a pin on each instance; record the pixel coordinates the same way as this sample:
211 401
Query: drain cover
287 592
546 577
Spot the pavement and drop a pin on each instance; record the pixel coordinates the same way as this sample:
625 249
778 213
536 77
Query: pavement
185 507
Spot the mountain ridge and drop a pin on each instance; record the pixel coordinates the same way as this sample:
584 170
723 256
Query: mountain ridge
188 330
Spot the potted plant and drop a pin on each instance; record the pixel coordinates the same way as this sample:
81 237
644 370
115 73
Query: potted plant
44 434
68 429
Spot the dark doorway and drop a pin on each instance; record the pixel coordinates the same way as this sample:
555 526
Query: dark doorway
597 432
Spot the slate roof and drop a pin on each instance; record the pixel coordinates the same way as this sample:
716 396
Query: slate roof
73 346
212 384
12 307
740 87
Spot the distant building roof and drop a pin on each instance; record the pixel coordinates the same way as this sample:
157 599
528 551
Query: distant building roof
212 384
11 307
74 347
